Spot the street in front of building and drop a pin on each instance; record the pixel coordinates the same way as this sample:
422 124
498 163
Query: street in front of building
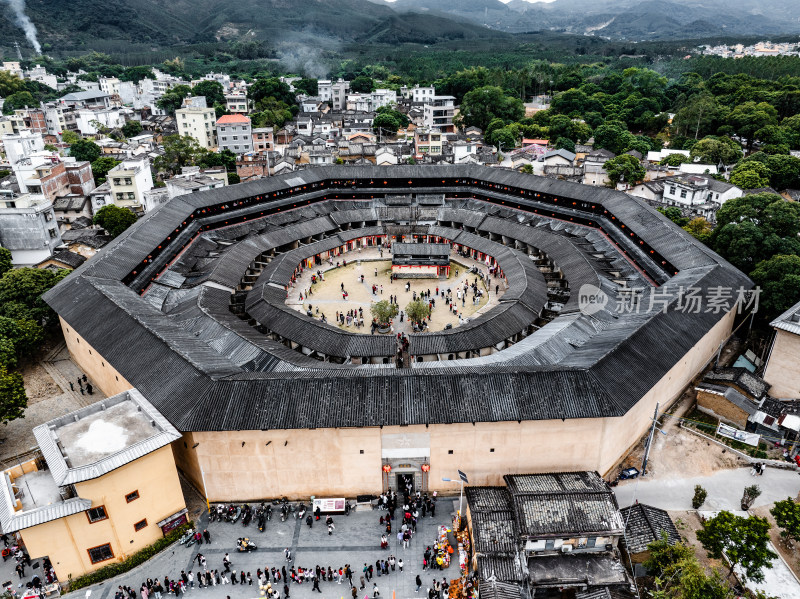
356 540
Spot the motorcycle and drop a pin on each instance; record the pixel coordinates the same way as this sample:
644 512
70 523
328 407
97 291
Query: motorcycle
269 512
244 544
284 513
301 511
236 515
262 523
189 534
347 508
230 513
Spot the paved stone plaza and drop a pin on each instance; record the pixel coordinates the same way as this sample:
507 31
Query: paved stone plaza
355 541
327 295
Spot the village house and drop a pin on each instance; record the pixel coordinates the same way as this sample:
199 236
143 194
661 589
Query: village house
234 133
110 488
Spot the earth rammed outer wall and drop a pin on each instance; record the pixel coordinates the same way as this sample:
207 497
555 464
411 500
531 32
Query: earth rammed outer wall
247 465
329 462
782 372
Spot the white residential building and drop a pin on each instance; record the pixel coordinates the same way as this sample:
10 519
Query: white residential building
109 85
128 181
236 103
334 93
197 121
383 97
28 228
693 190
438 113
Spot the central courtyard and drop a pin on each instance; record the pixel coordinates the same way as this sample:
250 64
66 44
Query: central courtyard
372 267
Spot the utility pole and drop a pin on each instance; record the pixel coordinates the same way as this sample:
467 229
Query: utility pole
649 441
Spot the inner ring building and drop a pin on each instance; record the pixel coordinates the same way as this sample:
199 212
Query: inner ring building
189 307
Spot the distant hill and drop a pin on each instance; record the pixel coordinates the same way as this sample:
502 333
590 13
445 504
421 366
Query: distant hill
625 19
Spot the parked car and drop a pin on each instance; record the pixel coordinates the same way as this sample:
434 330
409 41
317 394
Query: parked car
629 473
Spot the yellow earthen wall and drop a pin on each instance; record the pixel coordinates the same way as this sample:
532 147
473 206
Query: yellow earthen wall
67 540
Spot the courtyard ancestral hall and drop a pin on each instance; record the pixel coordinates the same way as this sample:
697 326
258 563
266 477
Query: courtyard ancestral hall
189 306
420 260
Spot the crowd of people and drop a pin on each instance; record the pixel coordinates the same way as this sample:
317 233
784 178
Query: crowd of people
279 580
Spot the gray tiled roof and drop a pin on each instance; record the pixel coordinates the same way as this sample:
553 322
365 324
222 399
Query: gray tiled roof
753 384
577 366
504 568
494 532
645 524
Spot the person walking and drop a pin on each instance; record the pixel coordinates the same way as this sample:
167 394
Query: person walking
400 564
206 535
316 585
419 583
375 592
330 528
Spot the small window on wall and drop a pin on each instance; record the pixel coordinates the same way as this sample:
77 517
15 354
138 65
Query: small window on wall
100 553
96 514
132 496
140 525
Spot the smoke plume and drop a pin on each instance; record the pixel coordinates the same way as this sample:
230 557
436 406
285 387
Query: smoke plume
18 6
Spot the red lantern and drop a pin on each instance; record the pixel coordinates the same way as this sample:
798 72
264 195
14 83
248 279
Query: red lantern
426 467
387 468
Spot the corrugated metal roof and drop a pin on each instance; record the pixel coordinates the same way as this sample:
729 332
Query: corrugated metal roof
64 474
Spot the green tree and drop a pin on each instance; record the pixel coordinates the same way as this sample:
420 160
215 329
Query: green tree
362 85
69 137
716 150
19 100
675 160
100 168
787 517
383 311
743 540
5 261
179 151
749 117
212 90
136 74
613 136
674 214
698 116
401 118
527 169
784 171
21 292
114 219
173 99
562 143
417 311
750 175
779 280
626 166
131 128
385 124
271 87
233 179
84 149
482 105
700 229
505 138
699 497
10 84
23 336
308 86
13 399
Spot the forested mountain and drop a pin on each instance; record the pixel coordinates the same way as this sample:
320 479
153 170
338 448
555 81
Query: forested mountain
625 19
